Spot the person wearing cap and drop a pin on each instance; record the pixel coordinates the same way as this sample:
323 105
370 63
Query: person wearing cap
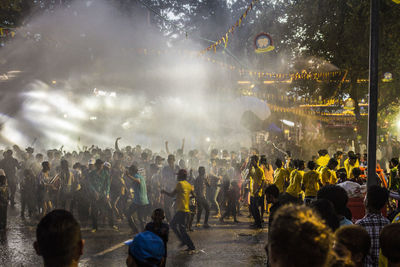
145 250
168 182
136 213
99 184
3 200
182 192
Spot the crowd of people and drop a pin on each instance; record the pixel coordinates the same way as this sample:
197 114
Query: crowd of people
303 205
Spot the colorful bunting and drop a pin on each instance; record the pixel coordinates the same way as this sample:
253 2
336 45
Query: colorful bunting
224 39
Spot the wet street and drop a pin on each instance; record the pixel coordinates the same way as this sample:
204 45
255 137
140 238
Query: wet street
222 245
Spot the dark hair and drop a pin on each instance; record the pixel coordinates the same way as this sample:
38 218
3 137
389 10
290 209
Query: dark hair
77 165
377 197
45 166
394 161
338 153
143 155
352 155
356 172
58 235
322 152
3 180
263 160
272 190
389 241
278 163
311 165
300 163
133 169
202 170
295 163
355 238
159 211
332 163
298 237
255 158
337 195
327 212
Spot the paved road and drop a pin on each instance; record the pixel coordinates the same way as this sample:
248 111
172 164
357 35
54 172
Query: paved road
223 245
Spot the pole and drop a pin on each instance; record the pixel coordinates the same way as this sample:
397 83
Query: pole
373 92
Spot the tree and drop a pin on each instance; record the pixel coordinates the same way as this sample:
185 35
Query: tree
337 32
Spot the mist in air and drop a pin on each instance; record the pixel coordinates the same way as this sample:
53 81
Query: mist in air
87 74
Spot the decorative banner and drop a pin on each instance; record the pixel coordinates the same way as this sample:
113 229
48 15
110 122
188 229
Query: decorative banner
271 77
225 37
387 77
6 32
263 43
348 116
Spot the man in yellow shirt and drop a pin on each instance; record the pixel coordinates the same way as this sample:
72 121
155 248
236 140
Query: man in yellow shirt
323 159
311 181
182 192
257 181
350 163
281 175
296 177
338 157
328 173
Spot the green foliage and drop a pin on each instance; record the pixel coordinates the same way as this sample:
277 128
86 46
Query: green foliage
337 32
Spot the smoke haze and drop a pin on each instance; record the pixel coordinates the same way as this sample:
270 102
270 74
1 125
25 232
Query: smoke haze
87 74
